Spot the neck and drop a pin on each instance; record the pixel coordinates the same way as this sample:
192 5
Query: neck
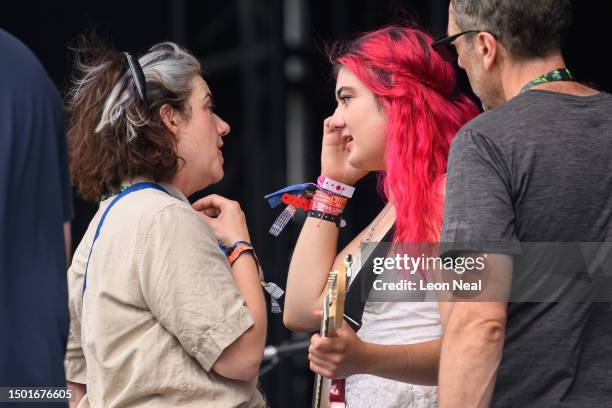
181 181
518 73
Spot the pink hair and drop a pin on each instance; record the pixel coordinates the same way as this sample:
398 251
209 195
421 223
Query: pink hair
416 88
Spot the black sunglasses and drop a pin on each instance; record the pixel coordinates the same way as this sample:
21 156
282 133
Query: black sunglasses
446 49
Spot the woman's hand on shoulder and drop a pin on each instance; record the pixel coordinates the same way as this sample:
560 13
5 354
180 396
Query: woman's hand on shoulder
225 217
334 156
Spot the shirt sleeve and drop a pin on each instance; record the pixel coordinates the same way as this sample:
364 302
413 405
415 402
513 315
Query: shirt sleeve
478 208
74 360
188 285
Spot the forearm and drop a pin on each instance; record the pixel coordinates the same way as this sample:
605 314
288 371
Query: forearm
313 258
78 392
470 357
410 363
246 277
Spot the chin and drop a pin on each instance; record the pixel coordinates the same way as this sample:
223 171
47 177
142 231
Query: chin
218 176
361 163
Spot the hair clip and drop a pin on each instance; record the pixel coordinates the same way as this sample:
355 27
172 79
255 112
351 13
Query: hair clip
138 76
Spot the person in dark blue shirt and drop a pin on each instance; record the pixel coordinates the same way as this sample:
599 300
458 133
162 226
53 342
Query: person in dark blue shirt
35 209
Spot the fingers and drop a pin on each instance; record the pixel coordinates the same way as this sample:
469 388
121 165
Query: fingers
323 359
211 212
210 201
318 313
322 367
326 122
321 345
328 125
327 373
215 201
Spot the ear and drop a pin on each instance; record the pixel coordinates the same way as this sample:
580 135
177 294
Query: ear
170 118
488 49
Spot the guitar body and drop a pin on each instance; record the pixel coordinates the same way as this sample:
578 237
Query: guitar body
337 394
330 393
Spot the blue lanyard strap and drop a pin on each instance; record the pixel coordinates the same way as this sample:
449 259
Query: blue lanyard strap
123 193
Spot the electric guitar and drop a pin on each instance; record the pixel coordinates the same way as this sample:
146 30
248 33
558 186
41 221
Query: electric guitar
330 393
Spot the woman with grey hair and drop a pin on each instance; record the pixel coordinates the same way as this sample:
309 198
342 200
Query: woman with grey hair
166 304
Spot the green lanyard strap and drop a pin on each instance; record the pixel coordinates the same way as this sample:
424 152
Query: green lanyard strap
561 74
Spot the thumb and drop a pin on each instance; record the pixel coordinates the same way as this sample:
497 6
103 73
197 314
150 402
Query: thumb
212 212
209 220
318 313
346 329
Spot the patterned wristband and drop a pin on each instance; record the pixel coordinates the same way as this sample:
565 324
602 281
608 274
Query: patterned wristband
238 248
322 207
331 199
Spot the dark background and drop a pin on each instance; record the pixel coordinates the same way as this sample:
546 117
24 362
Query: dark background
264 61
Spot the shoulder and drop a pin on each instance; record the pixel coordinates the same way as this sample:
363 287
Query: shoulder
149 212
495 132
501 124
160 212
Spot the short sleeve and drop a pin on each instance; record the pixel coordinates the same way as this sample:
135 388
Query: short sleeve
478 208
188 285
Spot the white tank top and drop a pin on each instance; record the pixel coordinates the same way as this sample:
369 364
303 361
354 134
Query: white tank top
394 323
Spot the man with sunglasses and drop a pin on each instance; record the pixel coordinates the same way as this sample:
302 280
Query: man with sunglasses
535 167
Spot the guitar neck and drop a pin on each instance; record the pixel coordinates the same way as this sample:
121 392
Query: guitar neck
333 316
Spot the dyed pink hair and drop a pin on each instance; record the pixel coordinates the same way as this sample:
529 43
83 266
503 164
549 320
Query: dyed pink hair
416 88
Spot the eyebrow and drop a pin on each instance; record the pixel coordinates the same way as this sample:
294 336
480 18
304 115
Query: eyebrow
208 95
343 88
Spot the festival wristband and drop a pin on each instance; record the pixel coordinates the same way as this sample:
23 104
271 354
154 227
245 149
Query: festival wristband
335 186
322 207
330 199
336 219
272 288
228 250
239 248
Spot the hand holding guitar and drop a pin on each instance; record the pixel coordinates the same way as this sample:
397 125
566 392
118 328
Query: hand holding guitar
339 356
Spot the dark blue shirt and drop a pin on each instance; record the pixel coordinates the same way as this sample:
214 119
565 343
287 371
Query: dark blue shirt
35 200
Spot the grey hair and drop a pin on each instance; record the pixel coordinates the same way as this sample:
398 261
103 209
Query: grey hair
168 71
526 28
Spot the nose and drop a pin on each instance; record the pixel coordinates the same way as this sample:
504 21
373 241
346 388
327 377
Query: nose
222 126
337 121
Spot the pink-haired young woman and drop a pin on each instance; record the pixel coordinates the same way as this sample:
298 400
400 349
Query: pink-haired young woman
397 114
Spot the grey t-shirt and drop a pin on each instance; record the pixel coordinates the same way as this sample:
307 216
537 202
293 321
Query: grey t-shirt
539 169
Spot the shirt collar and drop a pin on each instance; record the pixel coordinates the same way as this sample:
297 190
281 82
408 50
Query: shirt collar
170 188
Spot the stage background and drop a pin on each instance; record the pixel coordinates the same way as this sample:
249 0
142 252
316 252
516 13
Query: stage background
265 63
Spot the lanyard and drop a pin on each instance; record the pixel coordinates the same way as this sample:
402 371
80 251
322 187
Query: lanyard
561 74
273 289
123 193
